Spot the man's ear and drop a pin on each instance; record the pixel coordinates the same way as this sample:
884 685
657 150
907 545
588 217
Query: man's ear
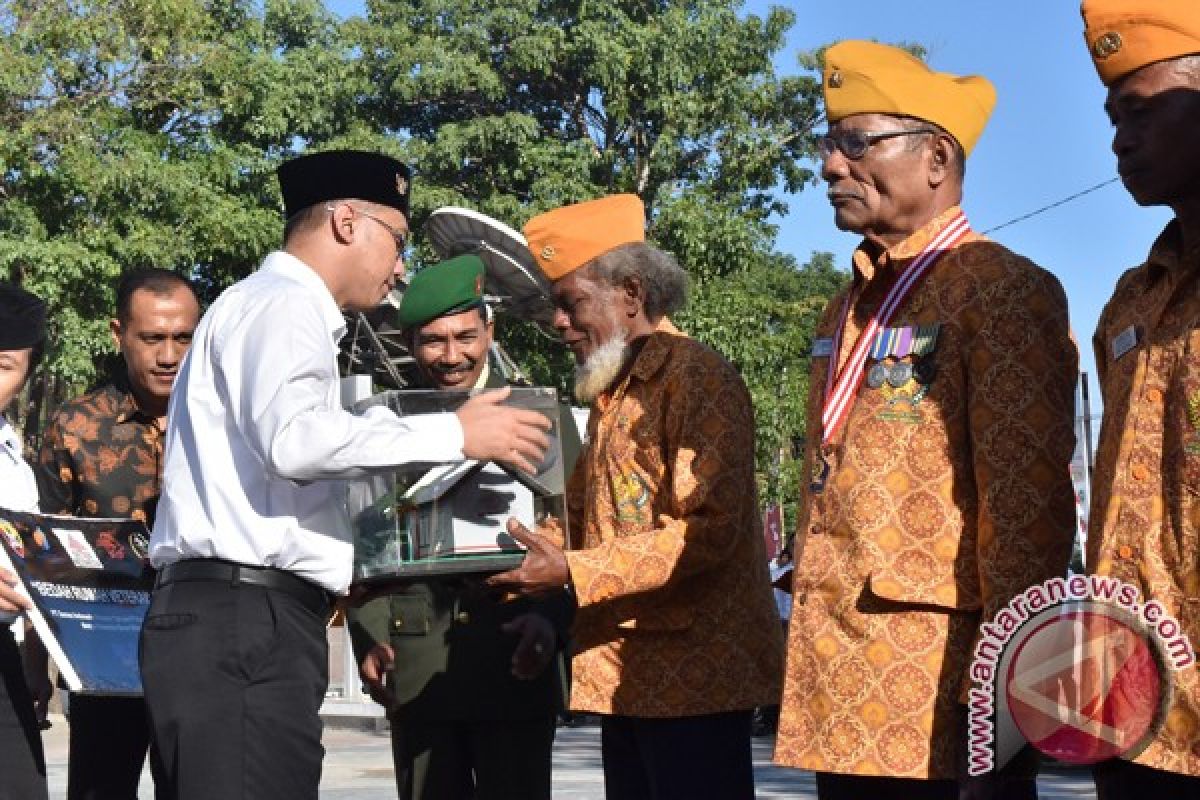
633 296
941 159
114 328
342 221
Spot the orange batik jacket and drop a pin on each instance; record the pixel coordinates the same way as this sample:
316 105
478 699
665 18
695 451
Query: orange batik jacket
1146 483
947 493
676 614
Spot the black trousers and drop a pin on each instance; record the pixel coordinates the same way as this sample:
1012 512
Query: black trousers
234 679
473 760
109 738
680 758
1119 780
22 764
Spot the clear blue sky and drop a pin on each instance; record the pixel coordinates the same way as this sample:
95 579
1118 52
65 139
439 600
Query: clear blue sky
1047 139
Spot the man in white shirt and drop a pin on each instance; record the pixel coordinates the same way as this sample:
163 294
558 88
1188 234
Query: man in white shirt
252 535
22 334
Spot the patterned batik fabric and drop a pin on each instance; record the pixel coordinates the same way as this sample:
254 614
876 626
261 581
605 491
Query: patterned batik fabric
676 615
948 493
1145 508
101 457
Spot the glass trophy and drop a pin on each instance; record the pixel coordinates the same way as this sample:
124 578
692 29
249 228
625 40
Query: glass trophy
451 519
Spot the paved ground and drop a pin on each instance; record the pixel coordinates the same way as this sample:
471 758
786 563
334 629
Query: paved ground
358 767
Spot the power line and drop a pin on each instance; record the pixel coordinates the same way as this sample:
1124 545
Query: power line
1044 209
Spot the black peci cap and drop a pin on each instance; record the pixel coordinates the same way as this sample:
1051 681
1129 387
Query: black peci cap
22 318
339 174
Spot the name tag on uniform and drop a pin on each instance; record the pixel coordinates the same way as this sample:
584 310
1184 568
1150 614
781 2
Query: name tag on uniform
822 348
1124 341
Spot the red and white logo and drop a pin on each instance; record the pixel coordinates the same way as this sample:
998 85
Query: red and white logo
1084 685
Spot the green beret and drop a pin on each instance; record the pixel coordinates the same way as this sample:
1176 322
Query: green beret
449 287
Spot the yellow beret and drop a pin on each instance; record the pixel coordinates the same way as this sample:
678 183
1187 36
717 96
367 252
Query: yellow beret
565 239
1125 35
870 78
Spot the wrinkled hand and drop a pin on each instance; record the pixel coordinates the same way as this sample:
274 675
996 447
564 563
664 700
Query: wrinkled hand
10 601
495 432
543 570
536 647
378 662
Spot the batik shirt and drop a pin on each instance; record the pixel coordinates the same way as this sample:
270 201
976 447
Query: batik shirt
947 493
101 457
1146 482
676 616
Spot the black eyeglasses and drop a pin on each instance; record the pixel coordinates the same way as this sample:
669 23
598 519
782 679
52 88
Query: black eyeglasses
854 144
401 239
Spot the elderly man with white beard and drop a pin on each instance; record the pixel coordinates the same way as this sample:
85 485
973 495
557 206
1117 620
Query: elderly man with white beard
676 634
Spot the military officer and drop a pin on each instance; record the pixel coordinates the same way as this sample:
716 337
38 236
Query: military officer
464 725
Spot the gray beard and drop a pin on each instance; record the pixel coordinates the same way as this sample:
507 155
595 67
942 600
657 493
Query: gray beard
601 369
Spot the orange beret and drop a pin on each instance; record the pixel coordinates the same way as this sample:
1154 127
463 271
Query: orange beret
870 78
1125 35
565 239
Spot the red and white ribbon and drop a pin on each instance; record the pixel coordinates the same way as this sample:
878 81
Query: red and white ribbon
840 393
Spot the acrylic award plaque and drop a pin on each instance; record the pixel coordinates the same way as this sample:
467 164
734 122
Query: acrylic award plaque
451 519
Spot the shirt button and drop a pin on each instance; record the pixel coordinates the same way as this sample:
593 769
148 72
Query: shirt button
1154 396
398 624
1139 472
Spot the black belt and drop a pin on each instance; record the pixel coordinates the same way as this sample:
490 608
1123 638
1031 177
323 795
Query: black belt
313 597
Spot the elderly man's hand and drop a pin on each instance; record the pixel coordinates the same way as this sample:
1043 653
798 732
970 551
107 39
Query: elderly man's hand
543 570
536 647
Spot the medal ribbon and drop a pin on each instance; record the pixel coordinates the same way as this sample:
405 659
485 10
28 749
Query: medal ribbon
840 393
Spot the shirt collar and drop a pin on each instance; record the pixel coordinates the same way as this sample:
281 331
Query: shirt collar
484 374
866 268
8 434
1167 254
655 351
127 407
291 268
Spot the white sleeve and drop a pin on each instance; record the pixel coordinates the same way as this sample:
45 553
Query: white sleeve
279 377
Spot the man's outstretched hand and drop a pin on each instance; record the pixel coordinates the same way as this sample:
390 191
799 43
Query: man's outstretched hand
496 432
543 570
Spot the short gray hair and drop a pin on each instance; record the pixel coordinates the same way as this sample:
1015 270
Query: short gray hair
664 282
1189 67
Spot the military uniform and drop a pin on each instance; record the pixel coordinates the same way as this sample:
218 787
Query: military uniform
457 702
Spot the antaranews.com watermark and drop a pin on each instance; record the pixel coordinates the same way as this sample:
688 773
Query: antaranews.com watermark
1083 665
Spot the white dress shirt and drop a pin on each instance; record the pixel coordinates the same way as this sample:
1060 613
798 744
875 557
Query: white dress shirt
18 491
18 488
257 444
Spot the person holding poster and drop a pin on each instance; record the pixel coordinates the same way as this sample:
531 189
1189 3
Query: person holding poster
22 336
